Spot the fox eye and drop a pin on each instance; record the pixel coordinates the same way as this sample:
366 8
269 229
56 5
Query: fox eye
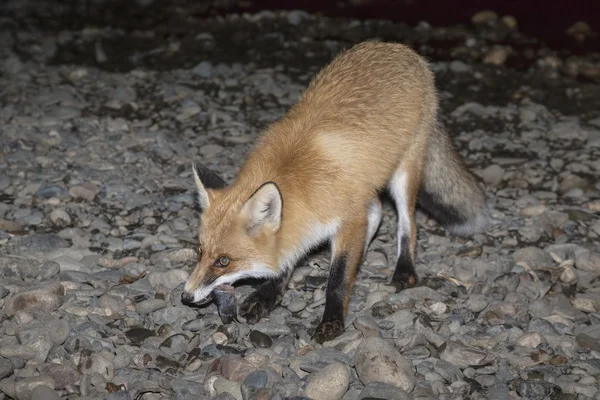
223 261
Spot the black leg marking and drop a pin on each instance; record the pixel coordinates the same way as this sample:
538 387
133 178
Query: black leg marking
333 318
405 275
264 300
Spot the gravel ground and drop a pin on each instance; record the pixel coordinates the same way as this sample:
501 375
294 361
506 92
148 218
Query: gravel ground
100 120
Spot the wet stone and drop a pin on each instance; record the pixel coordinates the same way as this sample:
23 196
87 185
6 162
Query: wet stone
260 339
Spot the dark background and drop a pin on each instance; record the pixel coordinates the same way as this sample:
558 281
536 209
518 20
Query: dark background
546 20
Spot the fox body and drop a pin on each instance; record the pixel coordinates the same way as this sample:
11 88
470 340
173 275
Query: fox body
368 122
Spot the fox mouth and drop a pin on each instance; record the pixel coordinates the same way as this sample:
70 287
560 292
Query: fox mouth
189 299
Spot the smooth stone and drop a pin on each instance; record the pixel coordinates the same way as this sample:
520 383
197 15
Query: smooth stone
150 305
42 299
531 339
260 339
60 218
377 360
44 392
296 305
331 382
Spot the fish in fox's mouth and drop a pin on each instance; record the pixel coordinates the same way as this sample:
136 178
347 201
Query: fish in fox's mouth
224 298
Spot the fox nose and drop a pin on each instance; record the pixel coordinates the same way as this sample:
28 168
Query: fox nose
187 297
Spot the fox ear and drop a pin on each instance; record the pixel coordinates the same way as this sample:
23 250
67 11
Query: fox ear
264 208
205 179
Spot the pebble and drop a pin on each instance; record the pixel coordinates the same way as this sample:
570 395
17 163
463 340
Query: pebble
296 305
493 174
85 192
43 299
260 340
60 218
377 360
330 382
380 390
464 356
24 388
43 392
533 257
203 70
150 305
531 339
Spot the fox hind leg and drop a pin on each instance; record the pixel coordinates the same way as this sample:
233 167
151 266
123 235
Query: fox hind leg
404 187
266 297
347 255
374 216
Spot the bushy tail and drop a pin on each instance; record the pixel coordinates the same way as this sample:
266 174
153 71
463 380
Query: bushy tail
450 194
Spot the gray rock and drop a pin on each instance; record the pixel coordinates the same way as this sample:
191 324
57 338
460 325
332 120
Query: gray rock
150 305
60 218
58 330
42 299
232 388
367 326
377 360
49 269
203 70
86 191
380 390
6 368
501 313
533 257
24 388
63 375
403 320
330 382
272 328
91 363
588 261
44 392
538 390
296 305
465 356
252 383
39 242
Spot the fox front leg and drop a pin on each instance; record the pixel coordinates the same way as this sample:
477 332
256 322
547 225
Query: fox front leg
266 297
347 255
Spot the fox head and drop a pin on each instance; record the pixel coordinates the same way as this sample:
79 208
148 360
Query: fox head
236 234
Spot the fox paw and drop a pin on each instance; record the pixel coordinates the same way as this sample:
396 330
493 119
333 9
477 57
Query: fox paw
327 331
256 306
405 281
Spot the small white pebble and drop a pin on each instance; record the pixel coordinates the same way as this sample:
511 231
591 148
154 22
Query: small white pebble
219 338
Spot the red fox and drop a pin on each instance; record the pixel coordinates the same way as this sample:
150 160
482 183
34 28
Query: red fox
366 123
